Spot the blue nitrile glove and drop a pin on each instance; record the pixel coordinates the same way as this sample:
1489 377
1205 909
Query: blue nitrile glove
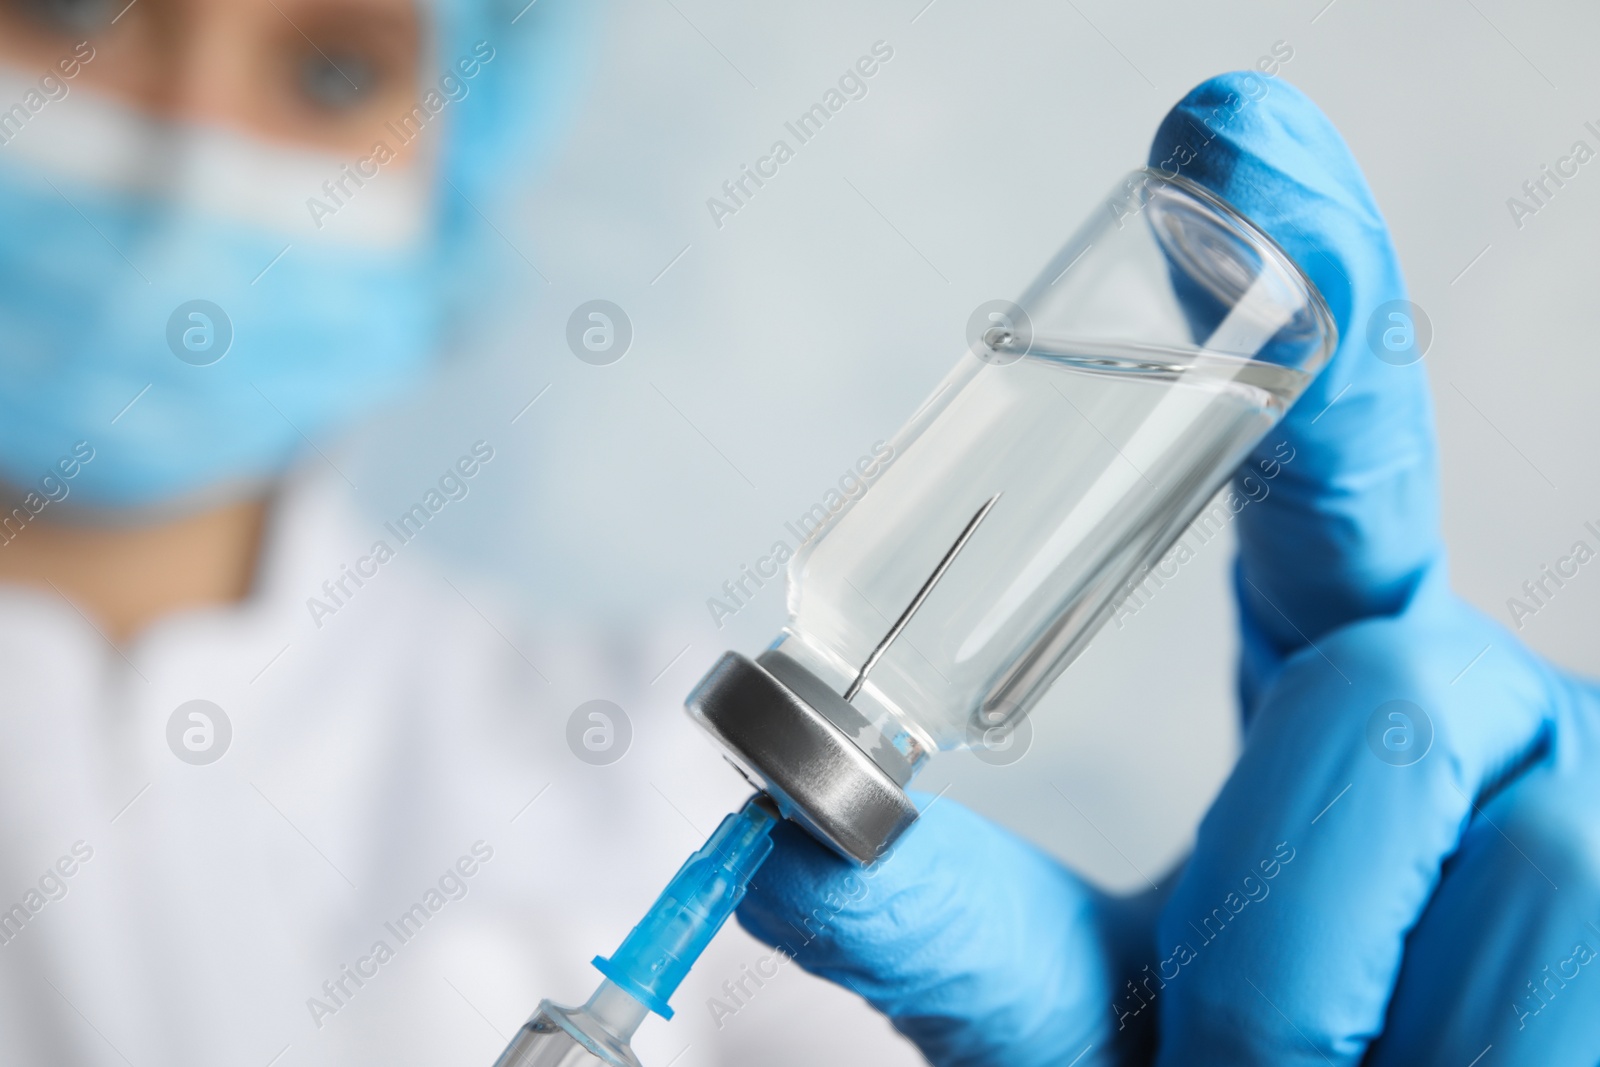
1410 843
977 946
1283 942
986 951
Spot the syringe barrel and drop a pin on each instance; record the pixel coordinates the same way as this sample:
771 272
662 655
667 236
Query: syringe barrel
546 1048
565 1037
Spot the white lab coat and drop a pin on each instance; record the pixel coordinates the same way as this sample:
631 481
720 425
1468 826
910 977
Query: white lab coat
207 905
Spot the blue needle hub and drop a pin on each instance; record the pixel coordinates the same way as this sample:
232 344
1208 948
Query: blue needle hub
656 956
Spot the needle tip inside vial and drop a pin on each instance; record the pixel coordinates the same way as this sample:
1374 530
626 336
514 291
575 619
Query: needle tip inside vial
922 594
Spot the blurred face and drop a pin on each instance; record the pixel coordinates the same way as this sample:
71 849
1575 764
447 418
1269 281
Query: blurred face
218 226
320 74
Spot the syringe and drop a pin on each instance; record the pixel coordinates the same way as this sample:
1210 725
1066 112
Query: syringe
641 976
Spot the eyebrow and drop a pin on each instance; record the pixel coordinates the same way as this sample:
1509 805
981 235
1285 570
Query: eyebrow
402 20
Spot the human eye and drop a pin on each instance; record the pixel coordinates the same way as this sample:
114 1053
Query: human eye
338 81
68 17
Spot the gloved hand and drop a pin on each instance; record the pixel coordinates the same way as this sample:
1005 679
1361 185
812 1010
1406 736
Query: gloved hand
978 947
1425 791
1287 935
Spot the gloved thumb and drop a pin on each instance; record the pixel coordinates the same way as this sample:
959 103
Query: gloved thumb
1351 523
977 946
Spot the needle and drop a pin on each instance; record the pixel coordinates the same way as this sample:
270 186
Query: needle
922 594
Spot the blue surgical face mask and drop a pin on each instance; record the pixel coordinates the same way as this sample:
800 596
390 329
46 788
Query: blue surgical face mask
173 303
170 302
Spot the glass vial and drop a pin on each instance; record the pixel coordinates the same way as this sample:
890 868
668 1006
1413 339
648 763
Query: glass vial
1081 431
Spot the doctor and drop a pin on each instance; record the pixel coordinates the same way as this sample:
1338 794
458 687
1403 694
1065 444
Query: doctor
272 788
267 776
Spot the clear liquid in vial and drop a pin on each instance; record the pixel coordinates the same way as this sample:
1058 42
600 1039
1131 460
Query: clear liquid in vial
1102 455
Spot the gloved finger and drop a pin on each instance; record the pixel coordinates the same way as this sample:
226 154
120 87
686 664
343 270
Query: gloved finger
1284 936
1350 519
1505 965
977 946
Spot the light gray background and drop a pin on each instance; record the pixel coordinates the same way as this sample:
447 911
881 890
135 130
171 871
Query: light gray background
773 351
